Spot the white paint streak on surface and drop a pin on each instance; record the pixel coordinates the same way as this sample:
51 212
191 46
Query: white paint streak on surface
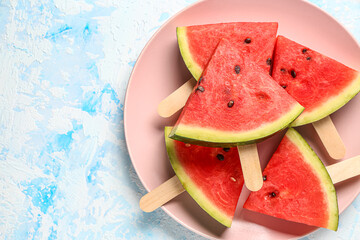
72 7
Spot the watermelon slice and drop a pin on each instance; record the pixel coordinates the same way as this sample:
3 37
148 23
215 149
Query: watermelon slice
212 176
254 39
235 102
297 186
319 83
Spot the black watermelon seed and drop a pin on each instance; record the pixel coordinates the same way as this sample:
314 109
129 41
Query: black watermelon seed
308 58
268 61
200 79
230 103
293 73
247 40
264 177
272 194
262 95
304 50
226 149
282 70
200 88
220 157
237 69
283 86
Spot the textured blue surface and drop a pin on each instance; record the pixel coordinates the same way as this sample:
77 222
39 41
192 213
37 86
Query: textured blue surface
64 168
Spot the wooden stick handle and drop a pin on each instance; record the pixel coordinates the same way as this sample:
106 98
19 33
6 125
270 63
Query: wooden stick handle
330 137
345 169
176 100
161 195
250 165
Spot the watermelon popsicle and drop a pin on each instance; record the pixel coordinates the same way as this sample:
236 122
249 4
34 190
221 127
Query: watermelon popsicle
235 103
208 169
308 196
319 83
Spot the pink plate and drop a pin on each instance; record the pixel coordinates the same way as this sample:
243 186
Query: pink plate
160 70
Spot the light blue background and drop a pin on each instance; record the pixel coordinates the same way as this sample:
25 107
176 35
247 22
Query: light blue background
65 172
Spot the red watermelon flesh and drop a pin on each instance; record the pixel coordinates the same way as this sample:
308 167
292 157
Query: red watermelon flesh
235 102
212 176
254 39
297 186
319 83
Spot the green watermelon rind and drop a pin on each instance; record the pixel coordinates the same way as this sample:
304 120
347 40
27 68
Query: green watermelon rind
319 169
331 105
191 187
217 138
194 68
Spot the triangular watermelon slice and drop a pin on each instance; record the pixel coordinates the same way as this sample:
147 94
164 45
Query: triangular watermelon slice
212 176
319 83
297 186
254 39
235 102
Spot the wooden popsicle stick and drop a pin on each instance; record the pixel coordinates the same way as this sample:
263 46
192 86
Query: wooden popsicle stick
330 137
250 166
161 195
171 188
344 170
176 100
